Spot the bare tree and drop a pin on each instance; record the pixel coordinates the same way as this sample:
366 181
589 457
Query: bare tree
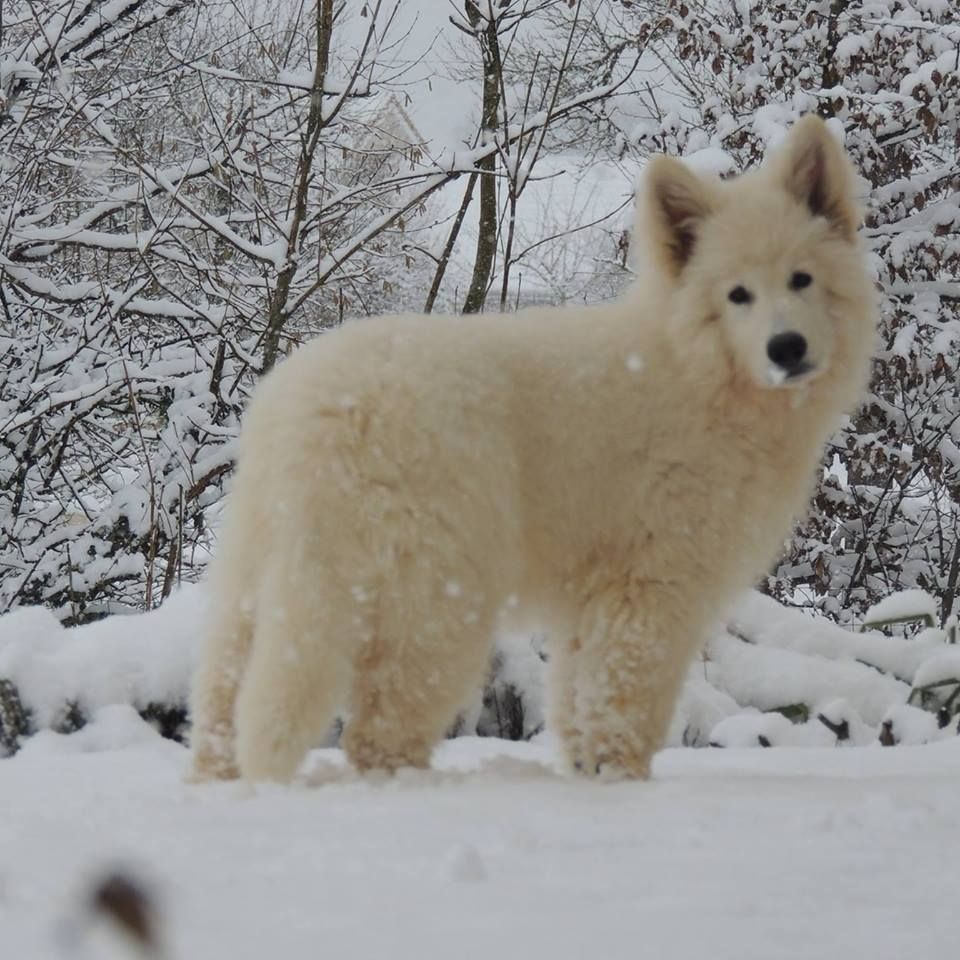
528 50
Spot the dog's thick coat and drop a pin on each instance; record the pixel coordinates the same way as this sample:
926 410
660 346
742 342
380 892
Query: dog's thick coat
614 473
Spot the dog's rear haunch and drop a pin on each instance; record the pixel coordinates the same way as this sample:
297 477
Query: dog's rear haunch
614 474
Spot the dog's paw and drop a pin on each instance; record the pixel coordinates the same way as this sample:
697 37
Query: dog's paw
612 771
209 768
612 765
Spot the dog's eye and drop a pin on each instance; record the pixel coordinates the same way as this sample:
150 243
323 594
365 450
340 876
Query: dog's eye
740 295
799 280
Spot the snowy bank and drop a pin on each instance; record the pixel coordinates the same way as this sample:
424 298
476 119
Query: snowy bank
771 677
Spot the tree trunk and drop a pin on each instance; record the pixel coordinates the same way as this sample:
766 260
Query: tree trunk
277 313
487 235
444 260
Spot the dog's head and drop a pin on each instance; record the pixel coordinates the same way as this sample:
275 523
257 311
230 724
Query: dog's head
768 263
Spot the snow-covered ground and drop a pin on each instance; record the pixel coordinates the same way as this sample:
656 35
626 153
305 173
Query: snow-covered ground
801 850
752 854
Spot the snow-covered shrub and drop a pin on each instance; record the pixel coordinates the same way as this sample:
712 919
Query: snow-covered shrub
55 678
513 701
116 437
936 681
835 684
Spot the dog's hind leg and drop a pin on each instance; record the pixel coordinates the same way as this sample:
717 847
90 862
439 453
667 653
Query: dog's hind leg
298 674
428 653
213 700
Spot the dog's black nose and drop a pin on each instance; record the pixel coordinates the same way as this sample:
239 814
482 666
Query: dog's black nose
788 351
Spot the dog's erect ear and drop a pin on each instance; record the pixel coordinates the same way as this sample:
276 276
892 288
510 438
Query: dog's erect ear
678 202
816 171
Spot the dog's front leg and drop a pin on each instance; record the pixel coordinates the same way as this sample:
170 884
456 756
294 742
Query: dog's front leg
637 641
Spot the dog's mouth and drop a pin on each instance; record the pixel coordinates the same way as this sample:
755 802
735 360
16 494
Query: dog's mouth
801 371
798 373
